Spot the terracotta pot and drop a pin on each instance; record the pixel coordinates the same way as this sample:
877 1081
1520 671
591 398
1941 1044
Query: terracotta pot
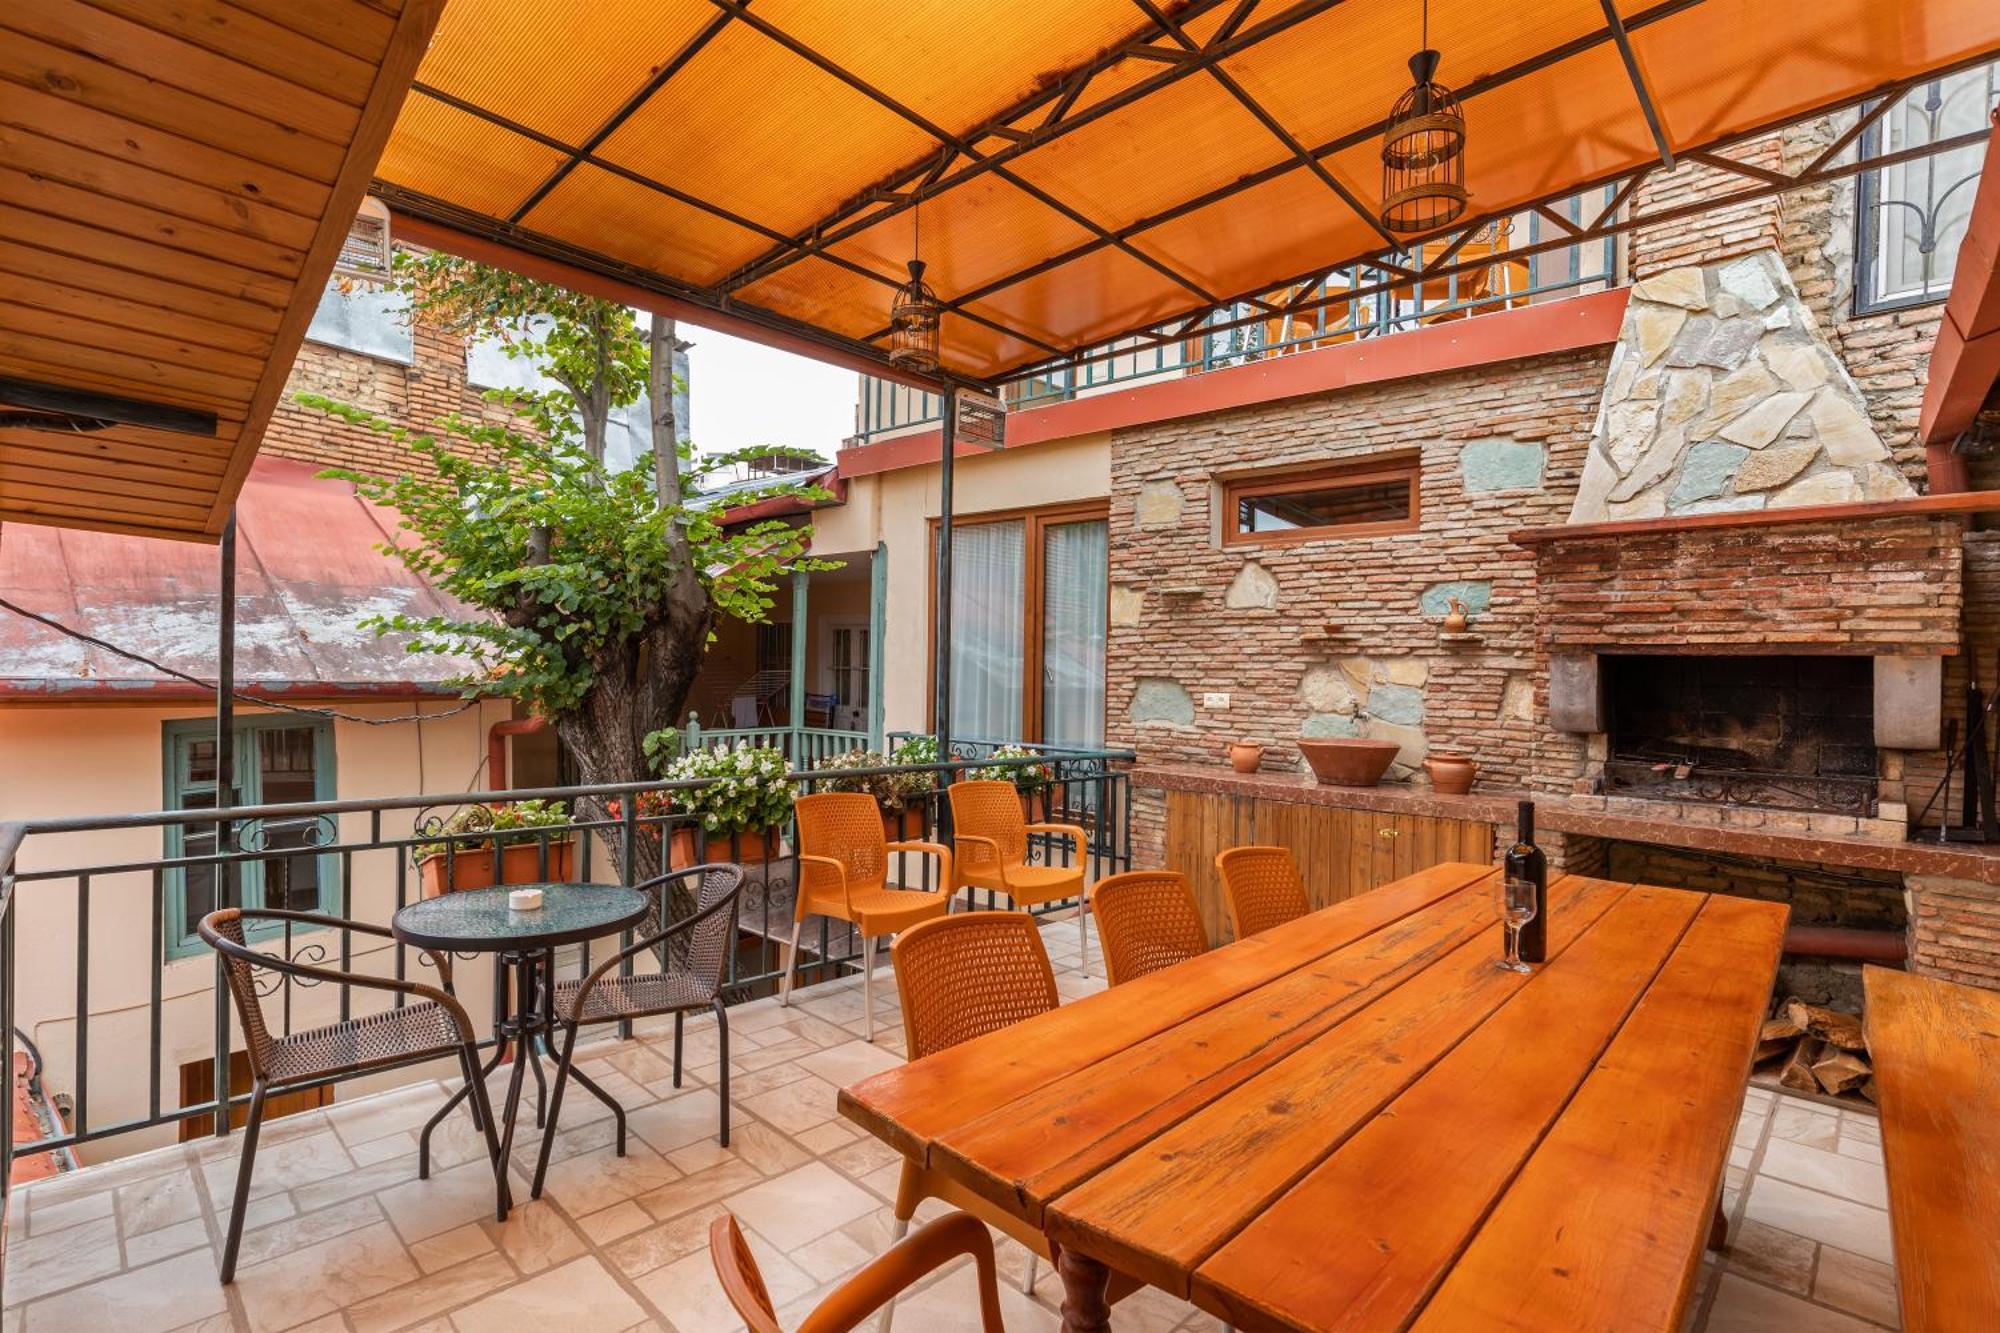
520 863
744 849
902 825
1349 761
1244 756
1451 774
1035 806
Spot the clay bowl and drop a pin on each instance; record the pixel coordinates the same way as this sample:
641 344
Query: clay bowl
1349 762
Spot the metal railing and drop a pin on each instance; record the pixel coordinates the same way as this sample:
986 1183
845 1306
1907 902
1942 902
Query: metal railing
67 875
1506 281
803 747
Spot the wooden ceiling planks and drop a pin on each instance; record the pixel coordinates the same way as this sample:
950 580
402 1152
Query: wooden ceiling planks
175 184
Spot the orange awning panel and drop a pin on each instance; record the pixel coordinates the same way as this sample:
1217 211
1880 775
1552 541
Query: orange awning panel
1080 167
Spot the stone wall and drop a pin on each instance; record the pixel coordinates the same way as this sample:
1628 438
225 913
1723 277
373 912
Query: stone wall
416 395
1342 636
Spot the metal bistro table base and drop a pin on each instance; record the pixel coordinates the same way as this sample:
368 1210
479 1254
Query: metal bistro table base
523 992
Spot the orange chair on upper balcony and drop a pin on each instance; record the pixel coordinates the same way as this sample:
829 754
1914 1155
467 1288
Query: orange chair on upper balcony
844 874
1263 888
990 837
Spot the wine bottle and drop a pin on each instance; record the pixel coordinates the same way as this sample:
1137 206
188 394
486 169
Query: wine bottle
1524 860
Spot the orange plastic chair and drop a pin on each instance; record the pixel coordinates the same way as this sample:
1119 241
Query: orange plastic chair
1146 920
1262 887
854 1300
844 873
990 835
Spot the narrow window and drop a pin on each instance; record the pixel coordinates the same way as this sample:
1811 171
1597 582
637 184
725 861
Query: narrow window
1378 495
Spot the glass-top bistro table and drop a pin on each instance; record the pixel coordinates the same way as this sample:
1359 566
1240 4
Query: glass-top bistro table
481 921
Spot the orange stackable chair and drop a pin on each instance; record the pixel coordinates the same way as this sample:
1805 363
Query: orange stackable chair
962 977
1263 888
844 873
990 835
1146 920
854 1300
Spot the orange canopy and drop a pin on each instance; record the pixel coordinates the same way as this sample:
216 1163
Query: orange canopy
1071 170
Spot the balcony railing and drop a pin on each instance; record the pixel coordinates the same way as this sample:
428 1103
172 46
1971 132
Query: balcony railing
120 1022
1494 277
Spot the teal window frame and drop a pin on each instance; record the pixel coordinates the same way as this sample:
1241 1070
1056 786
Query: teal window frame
175 740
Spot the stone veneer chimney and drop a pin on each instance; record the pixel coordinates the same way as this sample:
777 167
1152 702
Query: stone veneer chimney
1723 396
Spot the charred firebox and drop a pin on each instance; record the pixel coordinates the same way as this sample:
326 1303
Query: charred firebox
1796 733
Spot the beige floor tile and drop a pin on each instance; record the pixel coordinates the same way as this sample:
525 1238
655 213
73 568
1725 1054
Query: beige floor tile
1863 1182
801 1205
1803 1122
296 1233
797 1106
662 1244
688 1294
166 1242
161 1296
1770 1255
678 1121
823 1139
449 1199
702 1187
40 1265
61 1212
306 1283
1820 1217
535 1236
849 1062
1743 1306
162 1202
582 1294
451 1247
608 1224
371 1117
951 1305
425 1298
279 1166
1857 1285
592 1181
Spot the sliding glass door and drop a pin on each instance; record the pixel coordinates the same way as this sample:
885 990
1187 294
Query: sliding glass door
1074 574
988 584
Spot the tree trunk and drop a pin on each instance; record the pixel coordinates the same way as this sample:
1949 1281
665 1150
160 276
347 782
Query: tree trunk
661 345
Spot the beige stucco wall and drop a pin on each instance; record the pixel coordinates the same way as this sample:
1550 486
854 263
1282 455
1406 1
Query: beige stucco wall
897 507
81 760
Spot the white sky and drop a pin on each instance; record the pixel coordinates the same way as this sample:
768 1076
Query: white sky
742 393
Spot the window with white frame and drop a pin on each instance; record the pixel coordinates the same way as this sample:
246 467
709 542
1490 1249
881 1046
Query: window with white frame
1911 216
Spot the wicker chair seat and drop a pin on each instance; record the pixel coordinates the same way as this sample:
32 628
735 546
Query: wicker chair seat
424 1028
1027 885
635 996
877 909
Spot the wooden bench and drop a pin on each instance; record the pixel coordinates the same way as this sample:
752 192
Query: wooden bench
1936 1049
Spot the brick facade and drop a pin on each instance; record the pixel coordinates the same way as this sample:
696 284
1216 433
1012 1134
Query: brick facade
430 387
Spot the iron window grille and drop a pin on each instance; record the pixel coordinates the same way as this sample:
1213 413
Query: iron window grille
1910 218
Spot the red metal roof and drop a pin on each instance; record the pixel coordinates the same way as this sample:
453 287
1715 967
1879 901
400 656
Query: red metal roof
308 575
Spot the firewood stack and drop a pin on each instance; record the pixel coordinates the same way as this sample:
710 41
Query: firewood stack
1818 1050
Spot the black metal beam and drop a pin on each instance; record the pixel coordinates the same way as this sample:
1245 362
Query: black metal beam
848 220
1270 122
1647 107
1606 227
952 141
86 408
689 50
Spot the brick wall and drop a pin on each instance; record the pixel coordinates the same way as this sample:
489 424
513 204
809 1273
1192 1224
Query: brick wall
1882 586
1955 930
417 395
1388 670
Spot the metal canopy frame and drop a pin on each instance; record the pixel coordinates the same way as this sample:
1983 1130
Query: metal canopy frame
1163 37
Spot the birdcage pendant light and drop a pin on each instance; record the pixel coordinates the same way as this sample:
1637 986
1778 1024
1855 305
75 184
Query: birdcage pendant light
1423 151
914 315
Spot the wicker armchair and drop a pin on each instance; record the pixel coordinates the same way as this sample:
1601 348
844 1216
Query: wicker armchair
697 966
1262 887
1146 920
938 1243
844 874
434 1025
990 835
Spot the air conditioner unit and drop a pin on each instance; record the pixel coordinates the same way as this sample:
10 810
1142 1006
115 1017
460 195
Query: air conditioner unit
364 255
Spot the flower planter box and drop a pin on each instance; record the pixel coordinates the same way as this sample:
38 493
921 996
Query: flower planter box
471 867
749 849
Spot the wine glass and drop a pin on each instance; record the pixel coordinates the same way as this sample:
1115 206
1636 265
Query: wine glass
1517 909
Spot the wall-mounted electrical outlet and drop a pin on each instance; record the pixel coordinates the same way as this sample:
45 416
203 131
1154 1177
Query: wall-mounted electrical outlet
1215 699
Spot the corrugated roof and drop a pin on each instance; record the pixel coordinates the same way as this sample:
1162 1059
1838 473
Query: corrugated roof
308 574
1084 168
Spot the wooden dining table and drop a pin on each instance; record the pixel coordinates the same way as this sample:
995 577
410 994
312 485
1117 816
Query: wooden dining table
1358 1121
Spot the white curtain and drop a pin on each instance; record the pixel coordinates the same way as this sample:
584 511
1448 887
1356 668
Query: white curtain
1074 592
988 589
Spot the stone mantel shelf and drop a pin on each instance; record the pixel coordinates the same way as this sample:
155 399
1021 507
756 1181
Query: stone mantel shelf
1599 818
1958 502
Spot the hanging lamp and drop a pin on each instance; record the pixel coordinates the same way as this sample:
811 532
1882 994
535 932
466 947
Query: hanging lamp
1423 150
914 314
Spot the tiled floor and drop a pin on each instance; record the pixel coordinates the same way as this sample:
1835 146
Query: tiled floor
343 1236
